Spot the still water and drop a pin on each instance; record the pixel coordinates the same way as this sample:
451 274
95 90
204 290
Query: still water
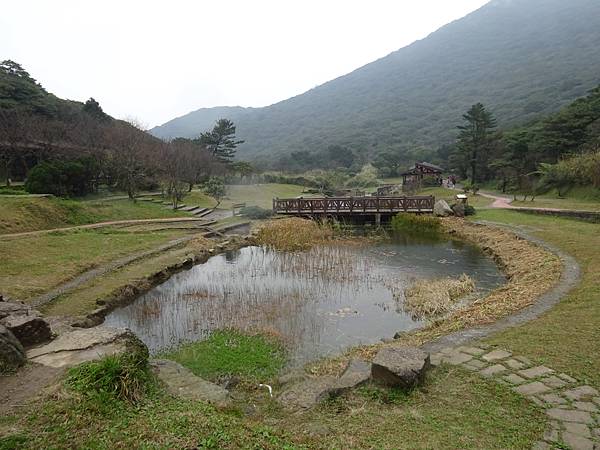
320 302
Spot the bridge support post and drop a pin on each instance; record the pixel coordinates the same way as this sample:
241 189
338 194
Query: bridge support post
378 219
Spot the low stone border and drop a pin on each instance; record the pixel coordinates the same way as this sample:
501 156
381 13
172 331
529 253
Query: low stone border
570 277
573 409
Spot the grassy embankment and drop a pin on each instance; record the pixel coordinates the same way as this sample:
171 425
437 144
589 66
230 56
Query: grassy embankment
454 409
567 337
34 265
576 198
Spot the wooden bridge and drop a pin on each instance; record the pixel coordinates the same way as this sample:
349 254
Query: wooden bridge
353 206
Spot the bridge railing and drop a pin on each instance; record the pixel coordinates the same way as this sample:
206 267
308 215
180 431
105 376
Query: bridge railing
353 205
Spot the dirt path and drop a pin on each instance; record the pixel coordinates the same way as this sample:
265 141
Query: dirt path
19 388
91 226
499 202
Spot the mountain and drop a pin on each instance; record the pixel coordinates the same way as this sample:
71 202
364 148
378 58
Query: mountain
522 58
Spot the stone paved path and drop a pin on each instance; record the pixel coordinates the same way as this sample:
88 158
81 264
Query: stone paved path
573 409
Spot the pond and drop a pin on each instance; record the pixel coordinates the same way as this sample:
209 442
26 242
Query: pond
320 302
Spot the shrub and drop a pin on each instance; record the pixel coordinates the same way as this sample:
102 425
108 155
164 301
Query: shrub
62 178
122 377
256 212
416 223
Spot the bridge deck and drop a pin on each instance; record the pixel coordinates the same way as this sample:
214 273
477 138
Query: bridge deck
353 205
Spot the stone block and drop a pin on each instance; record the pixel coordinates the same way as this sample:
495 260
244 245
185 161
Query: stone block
535 372
570 415
496 369
532 388
495 355
581 393
400 366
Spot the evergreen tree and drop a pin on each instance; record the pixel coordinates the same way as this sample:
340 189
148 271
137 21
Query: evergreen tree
476 137
221 140
93 108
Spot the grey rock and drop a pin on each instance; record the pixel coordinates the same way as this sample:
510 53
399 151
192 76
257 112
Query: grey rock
88 344
459 209
29 330
442 209
496 369
456 358
182 383
581 393
25 323
357 372
535 372
576 442
495 355
586 406
569 415
308 393
577 428
513 378
553 399
12 354
532 388
400 366
14 308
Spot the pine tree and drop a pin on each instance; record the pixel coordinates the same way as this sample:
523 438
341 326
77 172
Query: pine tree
476 137
221 140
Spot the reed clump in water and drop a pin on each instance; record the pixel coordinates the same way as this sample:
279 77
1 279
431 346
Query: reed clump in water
293 234
430 298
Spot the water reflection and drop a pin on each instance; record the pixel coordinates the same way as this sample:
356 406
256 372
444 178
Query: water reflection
319 302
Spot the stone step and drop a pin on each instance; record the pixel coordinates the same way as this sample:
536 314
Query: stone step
199 211
190 208
206 212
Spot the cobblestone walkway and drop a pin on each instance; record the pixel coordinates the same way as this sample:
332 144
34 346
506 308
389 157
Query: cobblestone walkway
573 409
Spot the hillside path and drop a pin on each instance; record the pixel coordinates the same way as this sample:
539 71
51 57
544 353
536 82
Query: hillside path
91 226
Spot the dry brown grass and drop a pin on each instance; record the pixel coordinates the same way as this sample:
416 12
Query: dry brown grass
430 298
530 271
293 234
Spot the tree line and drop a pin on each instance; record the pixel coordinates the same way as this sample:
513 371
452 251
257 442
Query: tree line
70 149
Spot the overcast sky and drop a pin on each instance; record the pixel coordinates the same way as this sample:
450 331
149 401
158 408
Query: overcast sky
156 60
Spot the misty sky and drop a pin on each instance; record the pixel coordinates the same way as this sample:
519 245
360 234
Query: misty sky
155 60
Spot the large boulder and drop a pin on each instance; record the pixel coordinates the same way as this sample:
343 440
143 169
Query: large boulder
12 354
442 209
404 367
25 323
181 382
88 344
29 330
459 209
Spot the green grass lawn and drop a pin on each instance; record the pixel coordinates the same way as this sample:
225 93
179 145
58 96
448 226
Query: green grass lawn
31 214
566 338
454 409
229 352
33 265
259 194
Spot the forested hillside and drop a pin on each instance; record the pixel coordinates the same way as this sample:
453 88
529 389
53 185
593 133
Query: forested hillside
523 59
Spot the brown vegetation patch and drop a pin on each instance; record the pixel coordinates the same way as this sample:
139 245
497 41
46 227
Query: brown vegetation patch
430 298
293 234
530 271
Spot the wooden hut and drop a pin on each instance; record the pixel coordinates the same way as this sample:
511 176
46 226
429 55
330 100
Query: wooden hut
421 170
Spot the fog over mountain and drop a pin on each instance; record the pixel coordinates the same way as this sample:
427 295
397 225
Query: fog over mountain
521 58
